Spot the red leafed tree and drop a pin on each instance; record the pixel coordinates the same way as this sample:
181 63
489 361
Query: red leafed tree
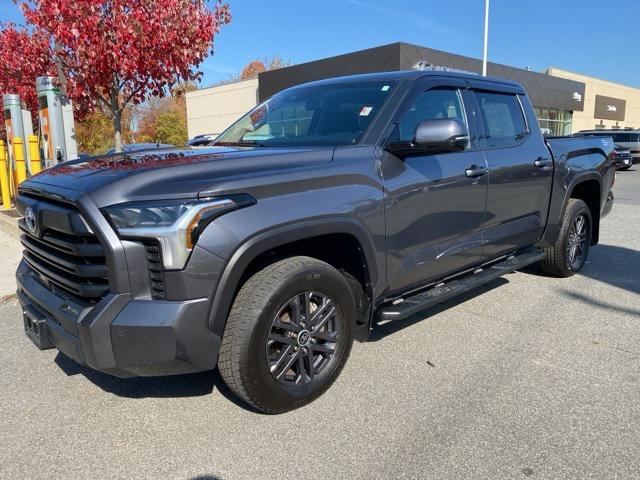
24 55
252 69
118 52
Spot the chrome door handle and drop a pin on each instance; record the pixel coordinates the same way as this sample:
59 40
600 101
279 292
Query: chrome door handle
542 162
475 171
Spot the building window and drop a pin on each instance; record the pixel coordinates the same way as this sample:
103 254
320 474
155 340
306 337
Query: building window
553 121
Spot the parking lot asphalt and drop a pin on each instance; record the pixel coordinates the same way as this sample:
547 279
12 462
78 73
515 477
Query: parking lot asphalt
11 253
528 377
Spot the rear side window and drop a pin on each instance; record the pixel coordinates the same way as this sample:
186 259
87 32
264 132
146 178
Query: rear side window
626 137
503 119
621 137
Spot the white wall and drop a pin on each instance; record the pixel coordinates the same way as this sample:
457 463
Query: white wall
211 110
586 120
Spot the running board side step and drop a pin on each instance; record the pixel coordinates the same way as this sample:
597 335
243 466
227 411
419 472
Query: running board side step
407 306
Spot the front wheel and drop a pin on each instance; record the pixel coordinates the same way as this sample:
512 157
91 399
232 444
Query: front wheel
570 252
288 334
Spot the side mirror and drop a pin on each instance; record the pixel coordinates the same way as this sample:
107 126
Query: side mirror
434 136
447 132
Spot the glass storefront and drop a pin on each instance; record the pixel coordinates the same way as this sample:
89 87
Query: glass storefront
553 121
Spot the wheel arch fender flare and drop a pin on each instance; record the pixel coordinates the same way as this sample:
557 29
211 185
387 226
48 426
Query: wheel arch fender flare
595 215
272 238
558 207
577 180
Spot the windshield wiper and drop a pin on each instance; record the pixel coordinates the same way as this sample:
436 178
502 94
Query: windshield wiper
240 144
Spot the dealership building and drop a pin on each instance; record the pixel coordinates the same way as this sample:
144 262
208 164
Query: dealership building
565 102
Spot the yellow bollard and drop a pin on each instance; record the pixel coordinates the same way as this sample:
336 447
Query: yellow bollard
18 156
35 164
5 187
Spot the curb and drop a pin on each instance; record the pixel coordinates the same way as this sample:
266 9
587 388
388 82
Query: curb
9 225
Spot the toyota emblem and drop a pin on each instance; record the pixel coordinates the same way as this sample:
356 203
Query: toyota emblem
30 220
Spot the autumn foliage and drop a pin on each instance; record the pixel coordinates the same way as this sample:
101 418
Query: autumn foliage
253 69
117 53
24 55
94 133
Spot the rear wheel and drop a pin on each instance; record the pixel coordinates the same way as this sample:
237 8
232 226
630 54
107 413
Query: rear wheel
627 167
288 334
570 252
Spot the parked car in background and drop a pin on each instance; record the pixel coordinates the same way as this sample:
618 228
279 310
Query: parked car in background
621 157
202 140
625 138
331 207
136 147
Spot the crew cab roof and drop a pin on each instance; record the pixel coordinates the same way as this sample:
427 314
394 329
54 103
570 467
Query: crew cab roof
413 75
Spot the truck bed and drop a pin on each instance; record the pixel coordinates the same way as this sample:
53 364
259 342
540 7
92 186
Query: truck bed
567 146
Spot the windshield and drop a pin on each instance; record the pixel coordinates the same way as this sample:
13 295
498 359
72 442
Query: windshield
333 114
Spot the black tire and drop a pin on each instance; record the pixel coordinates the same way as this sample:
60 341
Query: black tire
558 259
249 352
626 168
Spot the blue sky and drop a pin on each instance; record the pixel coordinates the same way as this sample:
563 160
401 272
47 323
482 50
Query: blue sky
592 37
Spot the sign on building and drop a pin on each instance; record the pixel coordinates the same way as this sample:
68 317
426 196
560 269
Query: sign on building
609 108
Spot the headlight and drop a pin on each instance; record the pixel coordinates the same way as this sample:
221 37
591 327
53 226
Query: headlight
175 224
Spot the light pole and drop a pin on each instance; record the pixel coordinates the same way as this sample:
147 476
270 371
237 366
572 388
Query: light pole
486 37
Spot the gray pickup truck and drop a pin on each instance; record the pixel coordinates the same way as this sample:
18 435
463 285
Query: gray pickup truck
331 207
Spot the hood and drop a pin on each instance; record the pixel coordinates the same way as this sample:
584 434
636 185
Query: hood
175 173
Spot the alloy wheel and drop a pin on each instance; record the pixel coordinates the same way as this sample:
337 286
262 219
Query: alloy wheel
303 338
577 242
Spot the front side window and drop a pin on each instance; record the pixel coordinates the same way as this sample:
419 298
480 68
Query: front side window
431 105
503 118
330 114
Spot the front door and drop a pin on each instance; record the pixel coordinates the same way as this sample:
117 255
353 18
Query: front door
434 208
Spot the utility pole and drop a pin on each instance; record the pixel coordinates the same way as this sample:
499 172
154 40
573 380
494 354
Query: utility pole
486 37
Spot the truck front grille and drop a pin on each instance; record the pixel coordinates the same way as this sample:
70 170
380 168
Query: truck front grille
156 269
64 253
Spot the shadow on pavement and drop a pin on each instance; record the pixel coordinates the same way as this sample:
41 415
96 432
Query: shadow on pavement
175 386
379 332
599 303
616 266
611 264
198 384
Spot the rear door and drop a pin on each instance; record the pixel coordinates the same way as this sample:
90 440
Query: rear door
520 171
434 211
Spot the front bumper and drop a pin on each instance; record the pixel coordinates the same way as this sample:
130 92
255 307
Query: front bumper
624 162
120 335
